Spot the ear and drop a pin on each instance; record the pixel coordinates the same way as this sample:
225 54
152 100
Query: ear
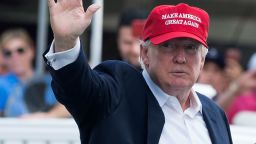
144 55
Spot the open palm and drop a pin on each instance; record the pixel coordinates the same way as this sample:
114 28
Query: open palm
69 20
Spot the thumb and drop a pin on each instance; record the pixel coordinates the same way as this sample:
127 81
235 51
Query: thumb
91 10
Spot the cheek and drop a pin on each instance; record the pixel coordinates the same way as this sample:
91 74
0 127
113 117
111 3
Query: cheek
161 58
30 55
25 60
123 48
199 61
151 60
197 66
160 65
201 65
136 49
28 61
9 63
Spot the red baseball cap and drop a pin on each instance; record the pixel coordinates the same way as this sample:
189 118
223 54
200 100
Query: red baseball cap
167 22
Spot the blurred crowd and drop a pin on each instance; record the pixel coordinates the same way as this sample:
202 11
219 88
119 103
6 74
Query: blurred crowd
225 80
26 95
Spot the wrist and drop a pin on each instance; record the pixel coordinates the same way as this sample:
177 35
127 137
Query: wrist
234 88
64 44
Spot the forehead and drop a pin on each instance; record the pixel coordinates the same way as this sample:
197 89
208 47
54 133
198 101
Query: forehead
125 30
15 42
182 40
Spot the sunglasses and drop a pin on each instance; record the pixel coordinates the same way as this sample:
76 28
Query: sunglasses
8 53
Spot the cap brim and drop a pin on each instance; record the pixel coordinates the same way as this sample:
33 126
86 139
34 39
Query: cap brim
168 36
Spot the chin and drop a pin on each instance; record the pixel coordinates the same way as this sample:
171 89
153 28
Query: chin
181 84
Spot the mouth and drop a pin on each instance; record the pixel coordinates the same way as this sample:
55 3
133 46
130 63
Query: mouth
179 73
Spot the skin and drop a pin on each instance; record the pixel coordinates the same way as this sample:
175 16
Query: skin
174 72
66 31
19 64
128 46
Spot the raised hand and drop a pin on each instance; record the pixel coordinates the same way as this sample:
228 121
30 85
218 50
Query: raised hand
69 21
247 81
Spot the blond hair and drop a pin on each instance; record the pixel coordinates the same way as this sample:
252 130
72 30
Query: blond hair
16 33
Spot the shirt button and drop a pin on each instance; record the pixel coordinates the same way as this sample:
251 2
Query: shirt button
49 63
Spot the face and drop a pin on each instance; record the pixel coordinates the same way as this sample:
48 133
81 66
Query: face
18 56
233 53
174 65
129 46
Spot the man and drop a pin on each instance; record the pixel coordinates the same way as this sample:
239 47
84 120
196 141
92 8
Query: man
117 104
130 26
233 66
245 98
21 94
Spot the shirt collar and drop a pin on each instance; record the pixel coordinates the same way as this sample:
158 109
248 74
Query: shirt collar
160 95
163 97
195 102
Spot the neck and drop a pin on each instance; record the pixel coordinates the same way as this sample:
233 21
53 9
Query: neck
183 98
184 101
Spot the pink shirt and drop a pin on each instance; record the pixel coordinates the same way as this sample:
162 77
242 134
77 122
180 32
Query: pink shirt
246 102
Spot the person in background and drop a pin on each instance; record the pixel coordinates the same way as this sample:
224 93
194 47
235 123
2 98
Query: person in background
214 74
238 82
213 71
17 97
233 68
234 54
129 29
240 86
245 98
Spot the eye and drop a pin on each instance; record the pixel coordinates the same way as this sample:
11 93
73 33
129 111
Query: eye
191 48
166 45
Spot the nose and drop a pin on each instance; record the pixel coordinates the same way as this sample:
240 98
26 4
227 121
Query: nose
179 56
15 56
